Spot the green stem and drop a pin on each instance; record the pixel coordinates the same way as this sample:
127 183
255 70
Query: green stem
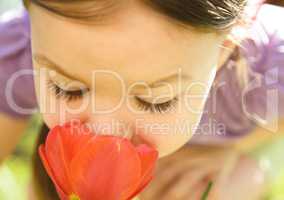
208 189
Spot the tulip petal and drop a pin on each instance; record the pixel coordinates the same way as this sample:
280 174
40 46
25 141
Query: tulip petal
50 173
108 168
45 163
62 144
148 157
74 138
61 194
140 189
95 167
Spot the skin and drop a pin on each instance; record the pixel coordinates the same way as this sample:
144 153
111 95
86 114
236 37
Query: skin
157 48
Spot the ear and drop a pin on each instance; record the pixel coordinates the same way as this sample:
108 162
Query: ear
226 49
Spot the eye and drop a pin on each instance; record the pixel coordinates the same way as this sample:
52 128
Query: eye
69 95
158 107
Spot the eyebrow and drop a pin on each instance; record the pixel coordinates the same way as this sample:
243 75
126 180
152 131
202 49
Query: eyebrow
43 60
174 76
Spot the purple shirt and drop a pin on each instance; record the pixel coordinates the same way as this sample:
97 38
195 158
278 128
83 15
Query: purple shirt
237 109
15 55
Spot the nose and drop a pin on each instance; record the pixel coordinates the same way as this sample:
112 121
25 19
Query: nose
119 128
117 123
121 123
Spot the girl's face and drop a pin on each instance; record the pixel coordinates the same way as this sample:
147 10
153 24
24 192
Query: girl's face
137 73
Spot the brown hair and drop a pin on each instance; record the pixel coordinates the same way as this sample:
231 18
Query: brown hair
276 2
209 14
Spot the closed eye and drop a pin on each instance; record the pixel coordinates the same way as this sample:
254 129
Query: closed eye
156 107
69 95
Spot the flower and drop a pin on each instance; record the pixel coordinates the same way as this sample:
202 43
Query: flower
85 166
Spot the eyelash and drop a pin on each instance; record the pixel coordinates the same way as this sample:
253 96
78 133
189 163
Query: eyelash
142 105
156 108
64 94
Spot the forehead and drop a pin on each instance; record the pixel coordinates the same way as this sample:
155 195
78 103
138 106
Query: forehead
138 44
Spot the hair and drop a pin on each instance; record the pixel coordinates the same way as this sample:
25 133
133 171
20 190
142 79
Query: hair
215 15
209 14
276 2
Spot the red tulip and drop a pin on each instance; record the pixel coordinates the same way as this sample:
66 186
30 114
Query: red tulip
86 166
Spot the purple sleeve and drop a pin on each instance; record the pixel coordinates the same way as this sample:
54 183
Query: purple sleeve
17 95
233 110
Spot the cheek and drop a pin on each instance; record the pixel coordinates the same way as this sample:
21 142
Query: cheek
53 119
50 120
57 111
170 132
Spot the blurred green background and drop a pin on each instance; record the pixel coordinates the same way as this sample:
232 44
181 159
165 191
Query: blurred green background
9 4
15 172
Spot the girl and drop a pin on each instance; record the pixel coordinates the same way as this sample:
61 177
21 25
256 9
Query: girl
85 55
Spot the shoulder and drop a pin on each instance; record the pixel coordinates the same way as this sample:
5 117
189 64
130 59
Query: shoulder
15 47
263 96
271 16
15 27
237 108
15 55
266 35
15 17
